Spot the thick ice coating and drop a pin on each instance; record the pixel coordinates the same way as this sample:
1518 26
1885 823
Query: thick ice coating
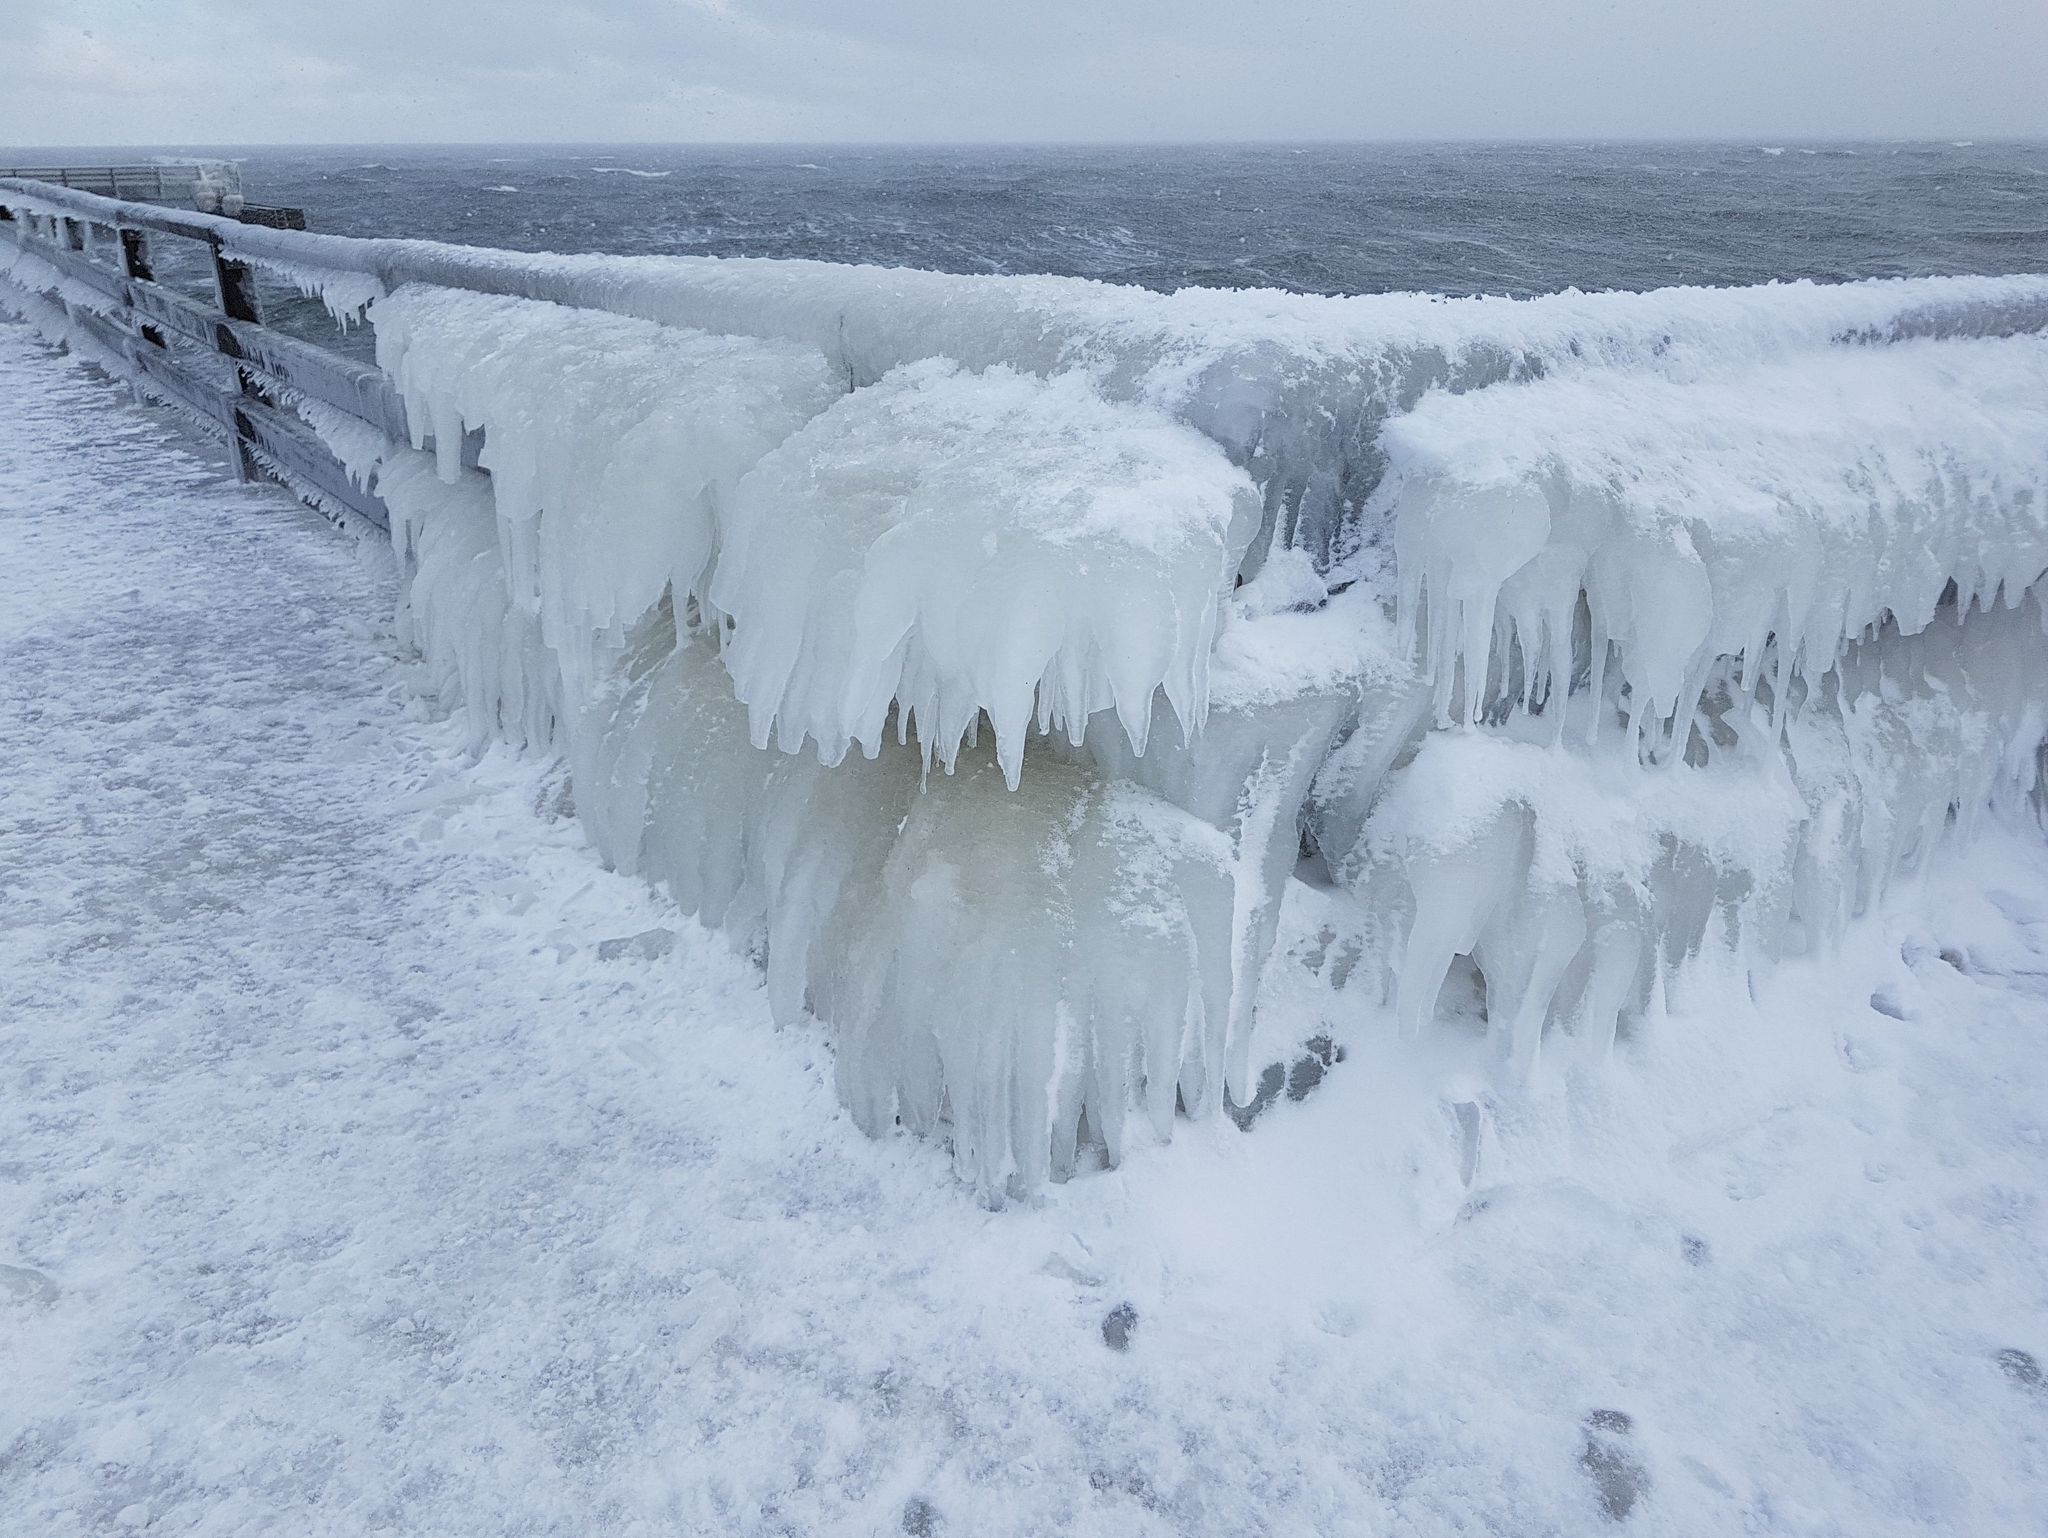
610 442
1767 512
1579 884
1031 965
944 544
1015 972
485 653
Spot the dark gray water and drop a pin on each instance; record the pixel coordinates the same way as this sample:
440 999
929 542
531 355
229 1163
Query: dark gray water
1509 219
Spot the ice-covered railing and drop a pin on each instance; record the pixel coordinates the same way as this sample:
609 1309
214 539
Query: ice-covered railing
984 653
1815 568
1759 515
1294 387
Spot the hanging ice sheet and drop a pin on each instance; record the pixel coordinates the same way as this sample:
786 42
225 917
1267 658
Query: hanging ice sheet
1766 512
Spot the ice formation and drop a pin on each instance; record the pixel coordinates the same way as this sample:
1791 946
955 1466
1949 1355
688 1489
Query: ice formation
627 434
1581 884
1625 668
1765 514
954 546
1587 642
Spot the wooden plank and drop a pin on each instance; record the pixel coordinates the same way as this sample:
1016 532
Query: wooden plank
288 444
135 255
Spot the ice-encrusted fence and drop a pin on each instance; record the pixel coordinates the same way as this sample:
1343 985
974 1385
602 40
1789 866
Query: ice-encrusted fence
989 652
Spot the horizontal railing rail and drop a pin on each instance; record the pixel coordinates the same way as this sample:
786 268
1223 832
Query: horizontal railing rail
217 362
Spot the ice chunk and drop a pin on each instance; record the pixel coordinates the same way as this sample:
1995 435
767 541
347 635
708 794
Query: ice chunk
482 650
1907 735
1766 513
1514 853
1284 684
1578 883
611 443
1035 964
945 544
823 838
666 780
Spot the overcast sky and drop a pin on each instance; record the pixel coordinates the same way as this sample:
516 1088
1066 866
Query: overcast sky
354 71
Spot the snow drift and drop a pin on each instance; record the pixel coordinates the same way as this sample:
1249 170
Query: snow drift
994 657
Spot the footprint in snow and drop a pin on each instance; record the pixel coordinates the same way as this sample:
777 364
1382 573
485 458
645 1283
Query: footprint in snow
1609 1459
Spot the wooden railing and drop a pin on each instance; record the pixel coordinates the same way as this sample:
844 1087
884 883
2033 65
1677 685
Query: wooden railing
217 361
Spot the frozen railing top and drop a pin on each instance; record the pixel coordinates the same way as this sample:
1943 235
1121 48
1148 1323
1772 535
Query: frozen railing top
1294 387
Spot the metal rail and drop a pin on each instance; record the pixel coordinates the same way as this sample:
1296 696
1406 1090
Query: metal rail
184 351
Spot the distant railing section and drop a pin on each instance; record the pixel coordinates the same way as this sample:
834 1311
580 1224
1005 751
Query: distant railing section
217 361
207 186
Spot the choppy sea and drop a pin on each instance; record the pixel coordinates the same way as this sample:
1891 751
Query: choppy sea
1457 219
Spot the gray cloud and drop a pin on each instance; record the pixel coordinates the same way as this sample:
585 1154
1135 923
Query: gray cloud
273 71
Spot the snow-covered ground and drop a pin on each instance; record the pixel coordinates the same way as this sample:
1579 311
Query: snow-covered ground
353 1180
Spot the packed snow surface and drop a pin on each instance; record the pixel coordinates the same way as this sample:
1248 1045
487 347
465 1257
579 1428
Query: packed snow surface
375 1160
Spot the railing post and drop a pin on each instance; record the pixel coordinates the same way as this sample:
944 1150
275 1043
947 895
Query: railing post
135 264
74 234
135 255
234 283
235 286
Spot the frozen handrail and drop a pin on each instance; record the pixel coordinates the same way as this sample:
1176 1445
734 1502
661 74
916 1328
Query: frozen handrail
218 362
1294 387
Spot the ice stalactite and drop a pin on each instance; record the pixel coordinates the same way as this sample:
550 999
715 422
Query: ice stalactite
1031 966
946 547
1581 884
1765 513
486 653
627 435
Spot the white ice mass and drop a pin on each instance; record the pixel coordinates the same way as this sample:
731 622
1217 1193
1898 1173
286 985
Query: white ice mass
992 657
